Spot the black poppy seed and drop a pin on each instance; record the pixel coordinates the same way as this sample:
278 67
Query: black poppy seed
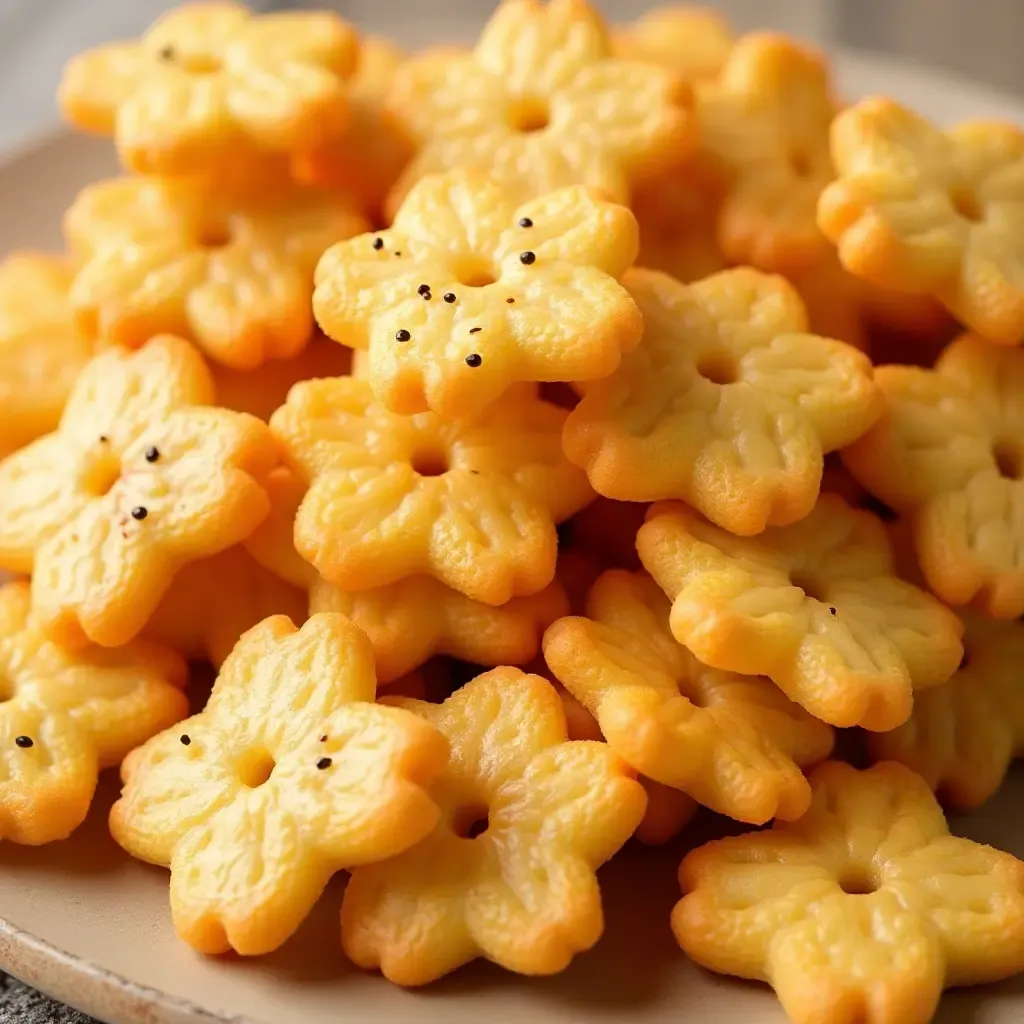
510 301
324 762
475 472
378 244
398 252
140 512
475 330
402 335
448 296
23 741
527 257
832 611
323 739
185 739
525 222
166 53
104 439
152 454
474 359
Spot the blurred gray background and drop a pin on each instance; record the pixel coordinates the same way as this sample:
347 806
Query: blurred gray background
980 38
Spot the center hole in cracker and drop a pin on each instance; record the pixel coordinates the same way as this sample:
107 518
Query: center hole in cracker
809 586
470 821
531 115
1009 458
102 475
430 463
214 236
966 203
718 367
800 164
857 882
200 63
255 767
475 274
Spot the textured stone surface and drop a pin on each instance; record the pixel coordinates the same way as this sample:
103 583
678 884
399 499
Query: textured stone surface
20 1004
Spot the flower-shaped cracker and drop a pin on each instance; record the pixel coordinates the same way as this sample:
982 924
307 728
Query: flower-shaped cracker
137 481
415 619
727 402
764 124
210 84
212 602
691 41
963 735
527 816
732 742
289 774
41 352
541 104
934 212
231 267
65 716
862 911
950 451
264 389
472 503
467 293
815 606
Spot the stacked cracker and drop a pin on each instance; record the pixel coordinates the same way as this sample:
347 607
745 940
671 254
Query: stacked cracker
603 345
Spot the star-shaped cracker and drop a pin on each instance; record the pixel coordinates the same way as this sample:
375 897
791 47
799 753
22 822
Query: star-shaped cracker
140 478
64 716
527 816
469 292
289 774
728 402
815 606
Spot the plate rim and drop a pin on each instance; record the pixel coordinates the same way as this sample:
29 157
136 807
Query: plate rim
43 954
30 958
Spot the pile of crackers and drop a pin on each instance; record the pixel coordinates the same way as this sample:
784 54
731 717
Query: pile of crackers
542 440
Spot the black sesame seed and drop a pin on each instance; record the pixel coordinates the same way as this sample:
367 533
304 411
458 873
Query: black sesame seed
152 454
402 335
510 301
185 739
424 289
527 257
378 244
449 296
474 360
140 512
323 739
475 330
427 296
832 611
324 762
525 222
475 472
23 741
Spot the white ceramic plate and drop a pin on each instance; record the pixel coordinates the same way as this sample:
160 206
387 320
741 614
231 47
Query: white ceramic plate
86 924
